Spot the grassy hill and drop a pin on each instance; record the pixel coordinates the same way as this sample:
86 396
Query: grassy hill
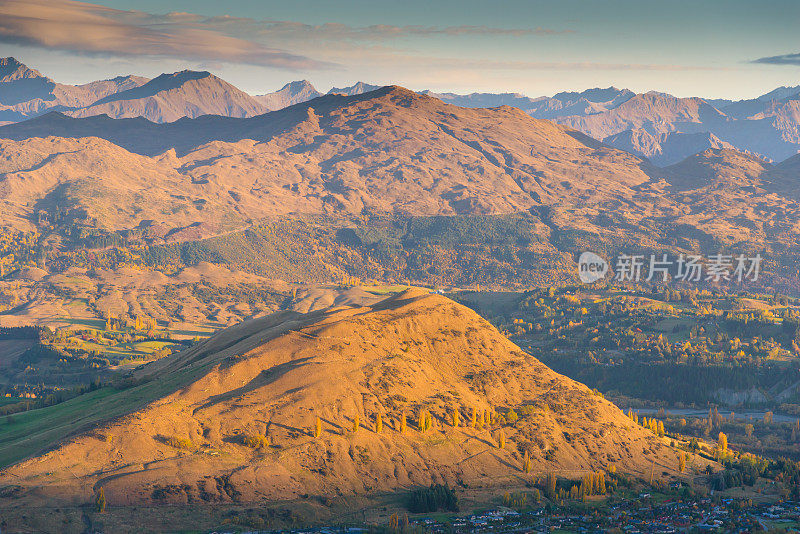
233 419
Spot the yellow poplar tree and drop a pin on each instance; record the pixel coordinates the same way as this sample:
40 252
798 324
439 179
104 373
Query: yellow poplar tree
317 427
378 424
501 439
356 423
100 502
403 423
722 443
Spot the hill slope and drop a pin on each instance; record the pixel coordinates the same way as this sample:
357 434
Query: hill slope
273 376
390 150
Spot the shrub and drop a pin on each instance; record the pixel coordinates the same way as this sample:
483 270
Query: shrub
254 441
179 443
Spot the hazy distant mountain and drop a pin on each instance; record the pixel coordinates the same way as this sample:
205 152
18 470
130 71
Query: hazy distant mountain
357 89
170 97
657 126
664 148
487 100
655 113
25 93
560 105
680 126
662 127
290 94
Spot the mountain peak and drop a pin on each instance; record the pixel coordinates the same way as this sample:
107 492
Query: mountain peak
12 69
295 92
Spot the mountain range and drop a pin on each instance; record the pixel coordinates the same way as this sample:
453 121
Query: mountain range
660 127
390 152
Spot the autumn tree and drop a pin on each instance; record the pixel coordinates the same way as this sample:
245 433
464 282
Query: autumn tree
317 427
455 417
403 423
682 462
100 501
356 423
748 429
425 422
501 439
378 424
526 463
722 444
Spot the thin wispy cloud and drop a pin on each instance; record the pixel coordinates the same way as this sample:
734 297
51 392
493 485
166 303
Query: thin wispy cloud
489 64
376 32
82 27
784 59
88 28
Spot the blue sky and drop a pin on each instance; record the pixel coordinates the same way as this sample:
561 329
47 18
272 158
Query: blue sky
732 49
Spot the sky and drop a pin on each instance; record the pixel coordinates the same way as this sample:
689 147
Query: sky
714 49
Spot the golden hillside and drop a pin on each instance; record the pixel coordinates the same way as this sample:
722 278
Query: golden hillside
240 425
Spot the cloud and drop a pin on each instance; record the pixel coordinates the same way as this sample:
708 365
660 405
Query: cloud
377 32
488 64
88 28
784 59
